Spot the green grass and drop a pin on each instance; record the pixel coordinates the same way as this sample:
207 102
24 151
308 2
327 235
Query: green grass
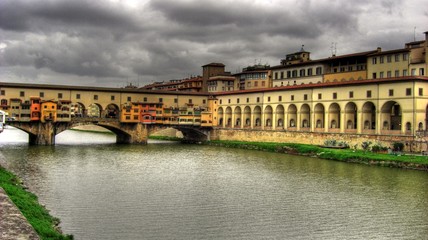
37 215
165 138
345 155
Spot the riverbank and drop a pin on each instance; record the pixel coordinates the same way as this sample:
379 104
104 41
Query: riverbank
44 224
343 155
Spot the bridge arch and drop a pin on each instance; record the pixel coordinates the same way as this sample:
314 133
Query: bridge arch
78 109
112 111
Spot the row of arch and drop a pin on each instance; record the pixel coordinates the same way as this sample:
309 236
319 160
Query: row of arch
318 118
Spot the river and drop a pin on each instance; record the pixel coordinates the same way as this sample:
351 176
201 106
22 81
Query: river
168 190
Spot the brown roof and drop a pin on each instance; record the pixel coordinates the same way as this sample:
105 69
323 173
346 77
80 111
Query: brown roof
214 65
390 52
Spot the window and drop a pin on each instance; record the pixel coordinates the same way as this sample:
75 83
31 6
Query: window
309 71
391 92
334 95
408 91
228 101
404 72
282 75
175 100
78 96
256 84
145 99
190 101
294 73
351 94
22 94
41 94
59 95
263 83
292 97
160 100
129 99
112 97
248 100
413 71
3 92
302 72
381 59
389 74
374 60
221 101
258 99
205 101
305 97
268 99
279 98
237 100
397 57
369 94
421 71
397 73
319 96
389 58
319 70
374 75
381 75
276 75
405 56
288 74
421 91
95 97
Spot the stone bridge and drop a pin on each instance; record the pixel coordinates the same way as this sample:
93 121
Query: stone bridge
128 133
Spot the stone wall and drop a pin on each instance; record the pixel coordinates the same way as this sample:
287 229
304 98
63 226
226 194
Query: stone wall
411 144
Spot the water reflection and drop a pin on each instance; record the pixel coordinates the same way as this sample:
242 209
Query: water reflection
175 191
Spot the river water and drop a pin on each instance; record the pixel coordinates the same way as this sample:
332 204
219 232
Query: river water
167 190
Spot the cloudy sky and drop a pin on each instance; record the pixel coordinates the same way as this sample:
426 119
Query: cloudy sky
115 42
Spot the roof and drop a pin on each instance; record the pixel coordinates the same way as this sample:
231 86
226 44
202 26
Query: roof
214 65
390 52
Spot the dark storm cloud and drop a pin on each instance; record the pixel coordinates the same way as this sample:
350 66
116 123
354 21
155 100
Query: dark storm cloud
107 41
27 15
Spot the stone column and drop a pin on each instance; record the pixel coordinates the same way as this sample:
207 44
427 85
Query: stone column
44 134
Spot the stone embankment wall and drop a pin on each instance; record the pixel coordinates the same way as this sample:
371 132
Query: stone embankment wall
312 138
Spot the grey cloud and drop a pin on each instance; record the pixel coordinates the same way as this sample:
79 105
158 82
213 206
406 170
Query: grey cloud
25 15
105 41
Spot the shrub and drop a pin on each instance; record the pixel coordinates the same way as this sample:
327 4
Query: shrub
378 148
398 146
366 145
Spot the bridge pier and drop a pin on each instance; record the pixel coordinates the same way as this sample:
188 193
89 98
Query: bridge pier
131 134
45 134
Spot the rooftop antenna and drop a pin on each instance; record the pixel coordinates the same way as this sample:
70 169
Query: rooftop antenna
414 34
333 48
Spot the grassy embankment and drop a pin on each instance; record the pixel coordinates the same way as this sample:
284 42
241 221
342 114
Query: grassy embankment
165 138
344 155
37 215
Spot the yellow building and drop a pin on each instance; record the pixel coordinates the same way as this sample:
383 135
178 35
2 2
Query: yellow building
48 111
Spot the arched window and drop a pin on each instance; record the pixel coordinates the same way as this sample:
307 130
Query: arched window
408 126
420 126
385 125
292 123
